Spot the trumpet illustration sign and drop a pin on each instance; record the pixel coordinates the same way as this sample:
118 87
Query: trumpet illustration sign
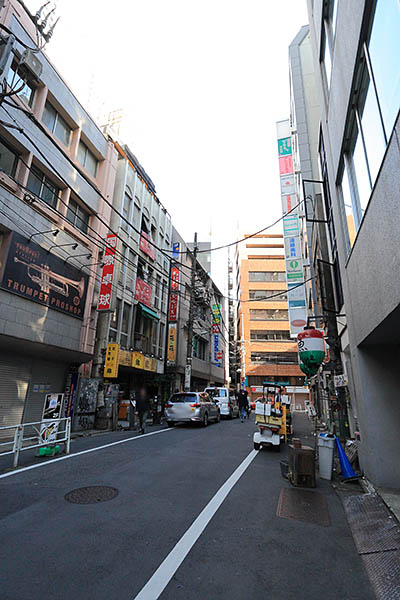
33 273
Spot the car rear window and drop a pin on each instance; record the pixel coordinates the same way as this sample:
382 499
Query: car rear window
215 393
182 397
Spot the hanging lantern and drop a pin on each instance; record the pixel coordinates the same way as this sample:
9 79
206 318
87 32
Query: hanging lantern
309 370
311 347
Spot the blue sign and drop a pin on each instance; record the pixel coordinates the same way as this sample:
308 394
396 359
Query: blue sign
175 250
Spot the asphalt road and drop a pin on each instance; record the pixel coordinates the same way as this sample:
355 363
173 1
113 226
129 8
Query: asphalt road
195 516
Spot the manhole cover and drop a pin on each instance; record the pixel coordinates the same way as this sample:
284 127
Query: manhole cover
303 505
91 494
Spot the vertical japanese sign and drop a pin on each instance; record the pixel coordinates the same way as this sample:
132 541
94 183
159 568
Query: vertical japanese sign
107 274
171 351
173 298
175 250
51 412
112 361
217 352
291 232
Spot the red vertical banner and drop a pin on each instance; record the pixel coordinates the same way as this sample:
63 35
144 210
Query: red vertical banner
107 273
173 299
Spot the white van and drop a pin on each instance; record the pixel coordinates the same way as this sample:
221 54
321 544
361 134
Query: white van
228 405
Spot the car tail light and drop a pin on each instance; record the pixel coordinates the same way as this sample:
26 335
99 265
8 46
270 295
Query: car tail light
195 405
229 404
169 405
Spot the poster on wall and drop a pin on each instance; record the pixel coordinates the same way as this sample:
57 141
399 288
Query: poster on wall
52 410
35 274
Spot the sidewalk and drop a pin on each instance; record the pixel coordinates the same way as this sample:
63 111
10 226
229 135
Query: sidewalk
375 529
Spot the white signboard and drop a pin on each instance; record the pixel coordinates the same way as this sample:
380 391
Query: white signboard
297 321
287 184
340 381
291 226
296 296
290 203
294 270
292 247
188 375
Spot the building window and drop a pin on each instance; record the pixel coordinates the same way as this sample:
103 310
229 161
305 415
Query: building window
261 314
57 125
157 292
114 322
77 216
124 325
326 57
267 295
130 271
384 52
8 159
20 80
269 336
123 265
161 342
40 185
126 211
267 276
266 357
199 348
87 159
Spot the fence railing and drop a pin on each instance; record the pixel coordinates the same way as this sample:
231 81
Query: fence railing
46 433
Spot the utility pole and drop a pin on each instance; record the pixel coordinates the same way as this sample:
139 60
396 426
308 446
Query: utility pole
189 350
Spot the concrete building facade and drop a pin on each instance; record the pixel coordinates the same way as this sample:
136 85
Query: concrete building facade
56 169
356 57
267 352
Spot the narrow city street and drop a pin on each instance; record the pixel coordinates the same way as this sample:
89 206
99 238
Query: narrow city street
238 549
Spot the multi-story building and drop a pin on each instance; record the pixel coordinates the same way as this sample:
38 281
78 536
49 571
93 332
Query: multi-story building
208 354
56 171
324 297
356 50
267 352
204 256
138 316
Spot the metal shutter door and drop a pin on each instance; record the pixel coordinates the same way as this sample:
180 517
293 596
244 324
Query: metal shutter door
50 374
14 380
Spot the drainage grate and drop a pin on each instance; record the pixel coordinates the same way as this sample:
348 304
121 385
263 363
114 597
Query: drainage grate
91 495
372 526
383 569
303 505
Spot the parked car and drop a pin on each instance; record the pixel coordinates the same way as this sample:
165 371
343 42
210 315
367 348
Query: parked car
196 407
227 402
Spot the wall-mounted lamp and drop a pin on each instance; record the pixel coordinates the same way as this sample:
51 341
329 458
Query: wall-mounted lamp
88 256
74 246
55 232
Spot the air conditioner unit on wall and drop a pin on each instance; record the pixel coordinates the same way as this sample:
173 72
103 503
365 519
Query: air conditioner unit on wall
30 60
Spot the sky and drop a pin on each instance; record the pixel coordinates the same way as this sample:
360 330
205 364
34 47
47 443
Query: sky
201 85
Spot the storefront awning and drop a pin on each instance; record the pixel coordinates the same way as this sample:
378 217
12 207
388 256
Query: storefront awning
149 313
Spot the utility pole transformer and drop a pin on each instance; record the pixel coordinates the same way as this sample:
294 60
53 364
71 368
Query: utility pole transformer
189 350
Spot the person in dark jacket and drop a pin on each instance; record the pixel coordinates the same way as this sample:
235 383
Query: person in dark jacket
243 404
142 407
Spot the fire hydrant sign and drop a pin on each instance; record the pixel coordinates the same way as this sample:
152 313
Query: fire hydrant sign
107 274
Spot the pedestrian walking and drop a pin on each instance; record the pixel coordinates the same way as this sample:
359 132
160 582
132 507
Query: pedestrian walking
142 407
243 404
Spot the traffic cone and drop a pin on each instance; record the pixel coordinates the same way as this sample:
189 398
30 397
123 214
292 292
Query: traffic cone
347 470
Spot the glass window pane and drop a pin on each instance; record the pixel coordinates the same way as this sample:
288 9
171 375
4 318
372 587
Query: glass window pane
49 193
8 160
82 219
81 154
91 164
49 116
384 49
62 130
334 16
373 134
361 170
348 207
327 61
34 183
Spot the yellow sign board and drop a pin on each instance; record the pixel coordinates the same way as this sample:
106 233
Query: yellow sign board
137 360
147 363
112 361
171 355
125 358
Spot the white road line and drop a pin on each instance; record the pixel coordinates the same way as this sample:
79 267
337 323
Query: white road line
36 466
159 581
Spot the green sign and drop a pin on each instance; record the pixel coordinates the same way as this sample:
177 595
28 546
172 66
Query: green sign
282 383
284 146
